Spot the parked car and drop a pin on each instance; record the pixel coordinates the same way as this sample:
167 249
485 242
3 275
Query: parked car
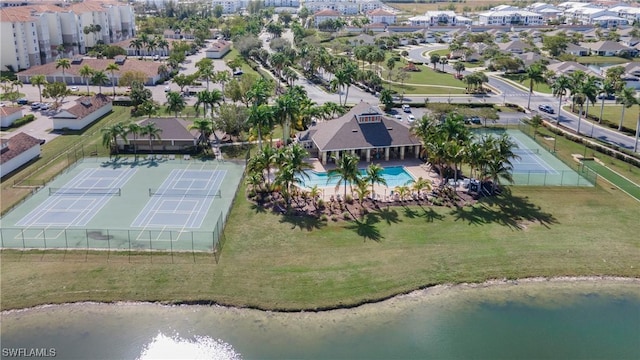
45 106
156 57
606 97
398 117
167 89
546 108
22 101
74 88
406 108
411 118
475 120
238 73
35 106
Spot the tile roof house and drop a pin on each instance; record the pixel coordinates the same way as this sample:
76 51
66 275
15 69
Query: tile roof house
218 49
381 16
568 67
17 151
514 47
363 131
608 48
9 114
324 15
175 136
72 74
576 50
631 75
86 110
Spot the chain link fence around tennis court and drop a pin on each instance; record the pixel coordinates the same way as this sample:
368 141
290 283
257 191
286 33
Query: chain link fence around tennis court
168 241
577 175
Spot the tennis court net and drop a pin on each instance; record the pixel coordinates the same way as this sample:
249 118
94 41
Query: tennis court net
186 193
526 151
84 191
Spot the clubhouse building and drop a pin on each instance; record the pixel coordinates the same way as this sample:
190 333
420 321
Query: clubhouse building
364 131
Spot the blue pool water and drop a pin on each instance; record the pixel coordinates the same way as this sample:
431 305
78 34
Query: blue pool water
394 176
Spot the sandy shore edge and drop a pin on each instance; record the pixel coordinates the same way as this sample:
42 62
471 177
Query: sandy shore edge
434 290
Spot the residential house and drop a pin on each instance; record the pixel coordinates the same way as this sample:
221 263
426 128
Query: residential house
631 74
72 75
9 114
218 49
530 58
510 17
86 110
175 136
608 48
569 67
576 50
514 46
608 21
365 132
586 15
17 151
381 16
324 15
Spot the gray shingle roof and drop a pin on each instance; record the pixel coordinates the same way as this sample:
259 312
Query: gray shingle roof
346 133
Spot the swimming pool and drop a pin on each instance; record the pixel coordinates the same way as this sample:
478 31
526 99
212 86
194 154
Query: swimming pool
394 176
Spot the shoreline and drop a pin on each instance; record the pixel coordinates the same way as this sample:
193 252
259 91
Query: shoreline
427 291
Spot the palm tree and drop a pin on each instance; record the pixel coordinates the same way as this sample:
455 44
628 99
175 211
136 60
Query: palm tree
86 72
205 128
421 184
152 131
110 136
163 45
64 64
99 78
292 169
112 68
402 191
559 89
205 70
627 98
535 75
288 108
136 44
151 46
175 103
222 77
375 176
577 77
261 117
39 80
586 93
346 171
443 61
135 129
607 88
459 67
362 190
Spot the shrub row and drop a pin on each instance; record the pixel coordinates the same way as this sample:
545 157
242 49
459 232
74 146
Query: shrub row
23 120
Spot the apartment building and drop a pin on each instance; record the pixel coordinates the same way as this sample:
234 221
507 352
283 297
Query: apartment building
433 18
510 17
38 30
229 6
342 7
282 3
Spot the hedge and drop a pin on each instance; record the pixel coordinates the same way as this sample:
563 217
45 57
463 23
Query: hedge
23 120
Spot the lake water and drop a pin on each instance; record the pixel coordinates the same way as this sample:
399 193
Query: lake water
540 319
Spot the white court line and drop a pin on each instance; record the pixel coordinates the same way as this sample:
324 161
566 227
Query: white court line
546 167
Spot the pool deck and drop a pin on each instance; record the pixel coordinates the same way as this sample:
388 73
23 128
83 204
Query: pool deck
414 167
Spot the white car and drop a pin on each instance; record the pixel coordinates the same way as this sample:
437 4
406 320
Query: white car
406 108
74 88
167 89
398 117
45 106
411 118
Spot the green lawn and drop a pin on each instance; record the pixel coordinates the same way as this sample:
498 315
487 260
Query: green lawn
603 60
627 186
612 114
518 78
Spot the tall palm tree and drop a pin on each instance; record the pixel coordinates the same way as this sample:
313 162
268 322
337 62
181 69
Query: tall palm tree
205 128
288 108
535 75
136 44
222 77
112 68
587 92
99 78
135 129
261 117
205 70
577 77
64 64
627 98
607 88
346 171
110 136
175 103
559 89
292 170
86 72
152 131
151 46
39 81
459 67
375 176
163 45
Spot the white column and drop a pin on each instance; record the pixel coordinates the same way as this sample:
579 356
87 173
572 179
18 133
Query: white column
402 152
417 151
368 155
324 157
386 154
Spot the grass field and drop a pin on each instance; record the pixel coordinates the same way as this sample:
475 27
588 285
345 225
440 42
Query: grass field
613 112
603 60
627 186
539 87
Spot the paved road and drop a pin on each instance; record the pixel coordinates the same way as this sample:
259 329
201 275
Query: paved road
507 92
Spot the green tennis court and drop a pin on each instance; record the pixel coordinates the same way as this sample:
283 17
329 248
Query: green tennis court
121 204
537 166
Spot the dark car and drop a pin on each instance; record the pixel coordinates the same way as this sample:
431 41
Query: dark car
22 101
546 108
